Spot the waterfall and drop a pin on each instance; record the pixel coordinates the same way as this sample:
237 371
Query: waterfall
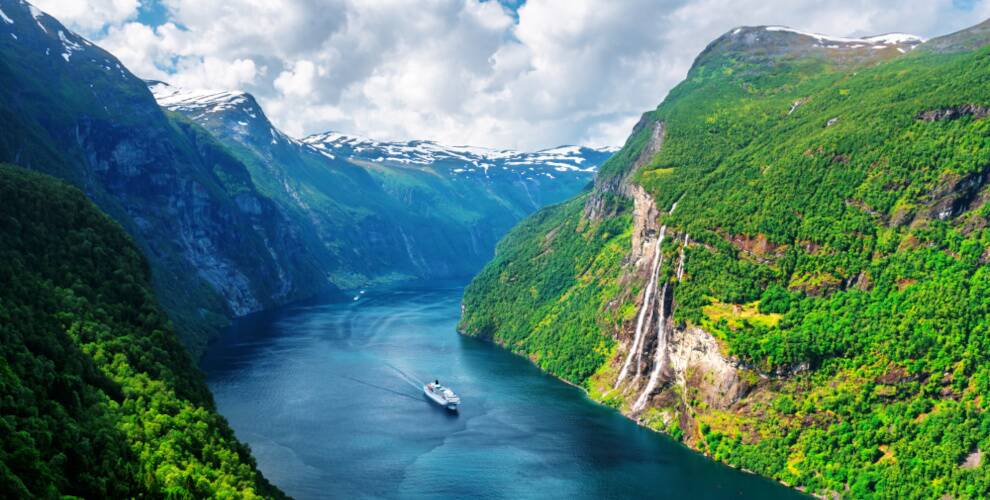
636 347
680 265
658 356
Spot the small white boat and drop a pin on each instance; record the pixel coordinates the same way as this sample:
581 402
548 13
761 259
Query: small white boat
441 395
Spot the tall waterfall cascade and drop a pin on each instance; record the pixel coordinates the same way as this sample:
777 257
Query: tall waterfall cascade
680 264
658 355
636 348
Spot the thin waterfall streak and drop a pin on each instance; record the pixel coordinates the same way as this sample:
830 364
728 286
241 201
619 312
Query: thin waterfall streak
658 356
644 308
637 346
646 327
680 265
674 206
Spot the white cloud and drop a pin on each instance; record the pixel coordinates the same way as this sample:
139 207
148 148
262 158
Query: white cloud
215 72
90 15
463 71
299 80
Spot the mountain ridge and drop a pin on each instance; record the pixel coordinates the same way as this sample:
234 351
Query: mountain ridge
386 211
200 105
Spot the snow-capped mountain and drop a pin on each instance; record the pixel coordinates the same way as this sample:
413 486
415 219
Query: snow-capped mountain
901 41
771 44
462 159
235 111
239 114
413 208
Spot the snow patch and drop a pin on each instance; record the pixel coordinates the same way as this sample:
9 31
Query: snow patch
37 15
876 42
3 15
894 39
203 101
70 46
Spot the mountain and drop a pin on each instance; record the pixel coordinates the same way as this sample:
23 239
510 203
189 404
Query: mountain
384 211
217 246
234 215
784 266
465 161
98 398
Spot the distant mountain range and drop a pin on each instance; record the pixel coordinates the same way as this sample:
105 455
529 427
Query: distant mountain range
379 211
212 107
239 115
463 160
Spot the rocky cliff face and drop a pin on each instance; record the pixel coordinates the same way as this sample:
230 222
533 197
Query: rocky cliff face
217 246
685 362
613 184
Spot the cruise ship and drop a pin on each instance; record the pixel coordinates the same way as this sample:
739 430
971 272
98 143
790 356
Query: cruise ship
441 395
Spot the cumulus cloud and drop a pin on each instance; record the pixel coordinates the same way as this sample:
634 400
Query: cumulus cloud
90 15
463 71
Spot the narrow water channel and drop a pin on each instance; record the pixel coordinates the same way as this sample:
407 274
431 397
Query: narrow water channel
318 392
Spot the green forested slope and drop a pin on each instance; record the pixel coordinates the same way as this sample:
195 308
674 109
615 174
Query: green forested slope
97 397
838 249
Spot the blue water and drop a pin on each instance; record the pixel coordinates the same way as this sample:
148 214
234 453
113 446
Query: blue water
317 391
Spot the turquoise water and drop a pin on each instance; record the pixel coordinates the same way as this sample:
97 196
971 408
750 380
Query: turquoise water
318 392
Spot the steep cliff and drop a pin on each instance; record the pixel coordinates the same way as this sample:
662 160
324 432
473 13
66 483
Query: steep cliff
217 246
378 211
789 275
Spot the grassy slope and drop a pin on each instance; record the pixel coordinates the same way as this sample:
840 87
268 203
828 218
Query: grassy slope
885 303
97 397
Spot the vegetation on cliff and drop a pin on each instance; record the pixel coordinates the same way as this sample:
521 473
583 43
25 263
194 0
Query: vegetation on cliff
838 248
97 397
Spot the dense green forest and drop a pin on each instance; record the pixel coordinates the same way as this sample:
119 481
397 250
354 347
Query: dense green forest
836 207
97 397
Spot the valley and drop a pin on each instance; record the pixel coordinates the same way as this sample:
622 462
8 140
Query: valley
776 287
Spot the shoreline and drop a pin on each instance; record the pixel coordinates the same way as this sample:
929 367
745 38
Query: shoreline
636 421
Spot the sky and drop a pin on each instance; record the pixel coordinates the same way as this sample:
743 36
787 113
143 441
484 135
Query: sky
506 74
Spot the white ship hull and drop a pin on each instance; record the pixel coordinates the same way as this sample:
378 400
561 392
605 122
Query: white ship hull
440 399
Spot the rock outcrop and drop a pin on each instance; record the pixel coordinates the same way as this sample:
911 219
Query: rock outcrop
613 186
